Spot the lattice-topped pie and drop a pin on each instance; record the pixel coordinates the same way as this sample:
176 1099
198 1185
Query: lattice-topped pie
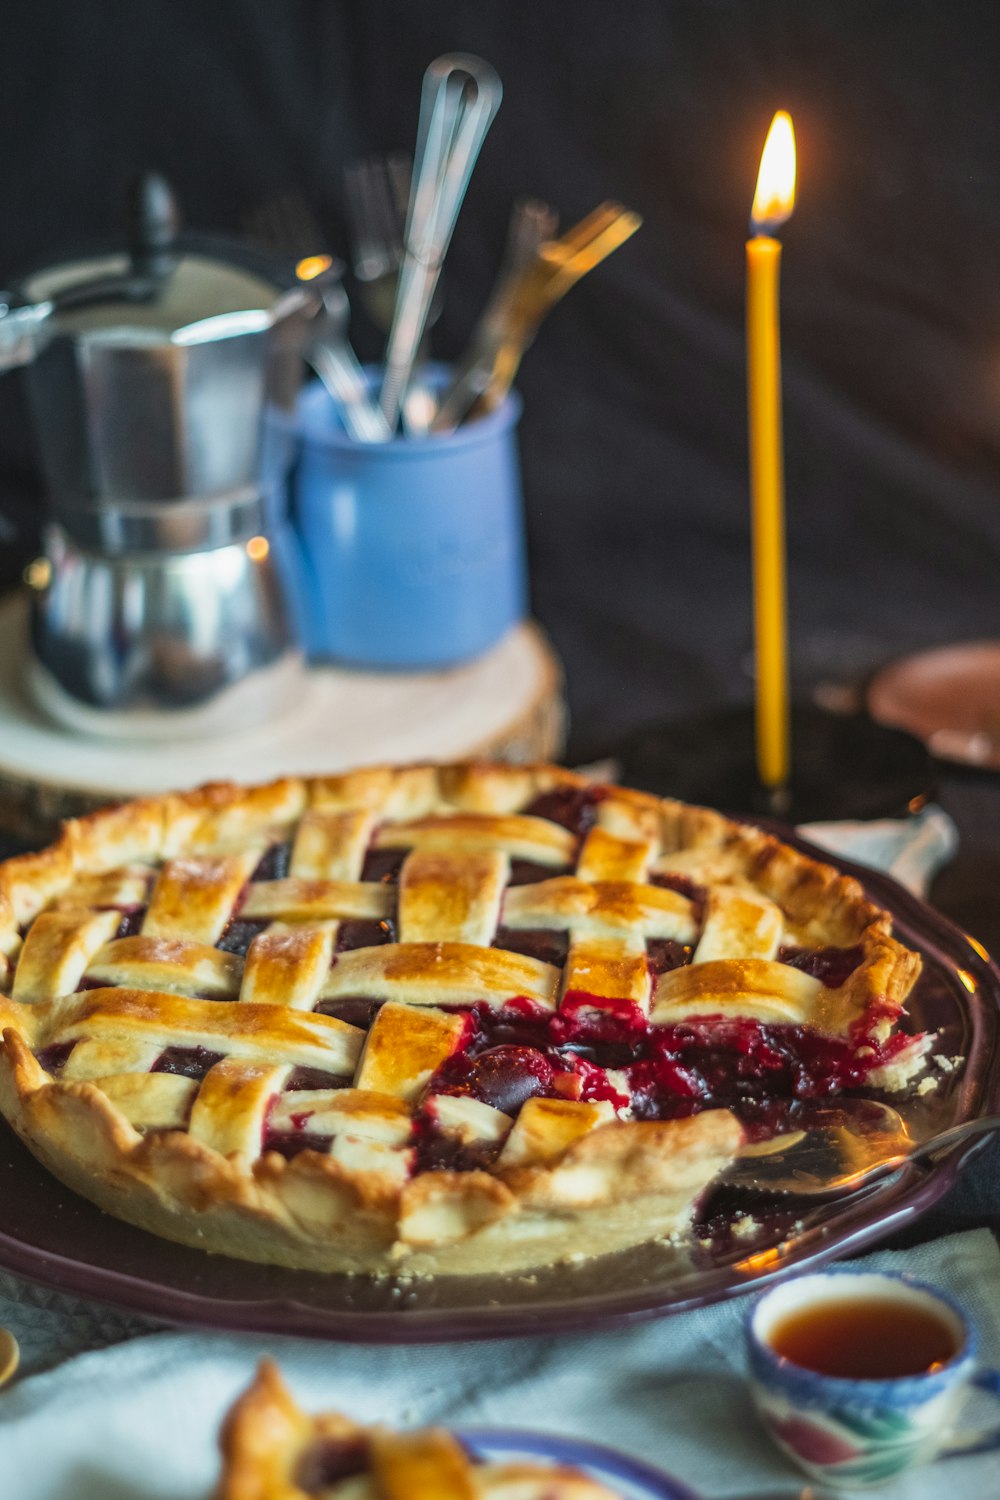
273 1450
442 1019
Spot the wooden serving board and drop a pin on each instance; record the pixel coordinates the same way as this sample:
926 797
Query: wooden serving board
508 705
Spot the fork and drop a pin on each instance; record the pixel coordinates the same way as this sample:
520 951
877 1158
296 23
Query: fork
555 267
377 194
377 189
531 224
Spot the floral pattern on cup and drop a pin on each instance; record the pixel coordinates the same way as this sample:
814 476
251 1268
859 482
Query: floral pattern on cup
853 1433
860 1446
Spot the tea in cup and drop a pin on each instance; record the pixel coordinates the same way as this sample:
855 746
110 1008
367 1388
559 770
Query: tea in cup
858 1375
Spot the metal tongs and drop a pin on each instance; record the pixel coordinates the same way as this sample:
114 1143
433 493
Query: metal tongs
460 96
486 375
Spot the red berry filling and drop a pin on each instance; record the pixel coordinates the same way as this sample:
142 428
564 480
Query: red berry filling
589 1083
574 808
438 1150
238 936
329 1461
314 1078
53 1058
682 885
131 921
382 866
360 933
663 954
754 1069
759 1071
356 1010
289 1143
504 1077
519 1023
188 1062
274 863
534 942
590 1021
831 966
527 872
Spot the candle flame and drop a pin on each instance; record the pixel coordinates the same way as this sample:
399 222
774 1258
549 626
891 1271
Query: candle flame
775 196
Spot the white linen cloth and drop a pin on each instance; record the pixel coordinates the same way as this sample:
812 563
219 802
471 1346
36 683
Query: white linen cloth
912 850
139 1422
138 1419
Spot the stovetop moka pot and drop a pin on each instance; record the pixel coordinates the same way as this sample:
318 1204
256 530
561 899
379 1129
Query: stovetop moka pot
149 370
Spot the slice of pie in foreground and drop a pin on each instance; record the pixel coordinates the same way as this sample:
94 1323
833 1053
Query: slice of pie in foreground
272 1450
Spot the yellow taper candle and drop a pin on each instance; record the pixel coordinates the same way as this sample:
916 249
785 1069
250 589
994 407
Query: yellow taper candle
773 203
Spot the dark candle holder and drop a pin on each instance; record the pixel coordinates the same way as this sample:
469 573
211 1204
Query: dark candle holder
843 765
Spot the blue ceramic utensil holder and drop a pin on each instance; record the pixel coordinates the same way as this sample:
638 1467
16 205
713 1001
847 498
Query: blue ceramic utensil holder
413 550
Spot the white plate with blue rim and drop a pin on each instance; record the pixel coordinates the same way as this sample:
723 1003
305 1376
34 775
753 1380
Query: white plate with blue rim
629 1477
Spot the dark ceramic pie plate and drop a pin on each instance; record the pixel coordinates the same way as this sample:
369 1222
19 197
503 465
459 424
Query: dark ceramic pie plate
53 1237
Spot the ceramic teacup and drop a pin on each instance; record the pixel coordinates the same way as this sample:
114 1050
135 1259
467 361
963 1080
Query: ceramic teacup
848 1432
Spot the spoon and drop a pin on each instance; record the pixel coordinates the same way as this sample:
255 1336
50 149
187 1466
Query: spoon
555 266
10 1356
532 224
830 1160
459 98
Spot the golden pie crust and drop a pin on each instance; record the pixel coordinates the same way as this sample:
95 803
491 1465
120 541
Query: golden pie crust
86 1015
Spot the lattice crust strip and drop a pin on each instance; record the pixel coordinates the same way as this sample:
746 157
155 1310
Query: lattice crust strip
174 965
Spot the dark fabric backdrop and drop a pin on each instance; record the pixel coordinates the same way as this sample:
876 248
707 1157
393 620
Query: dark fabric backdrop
634 432
634 442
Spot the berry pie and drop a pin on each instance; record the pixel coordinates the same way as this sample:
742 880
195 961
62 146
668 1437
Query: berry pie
272 1450
434 1019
